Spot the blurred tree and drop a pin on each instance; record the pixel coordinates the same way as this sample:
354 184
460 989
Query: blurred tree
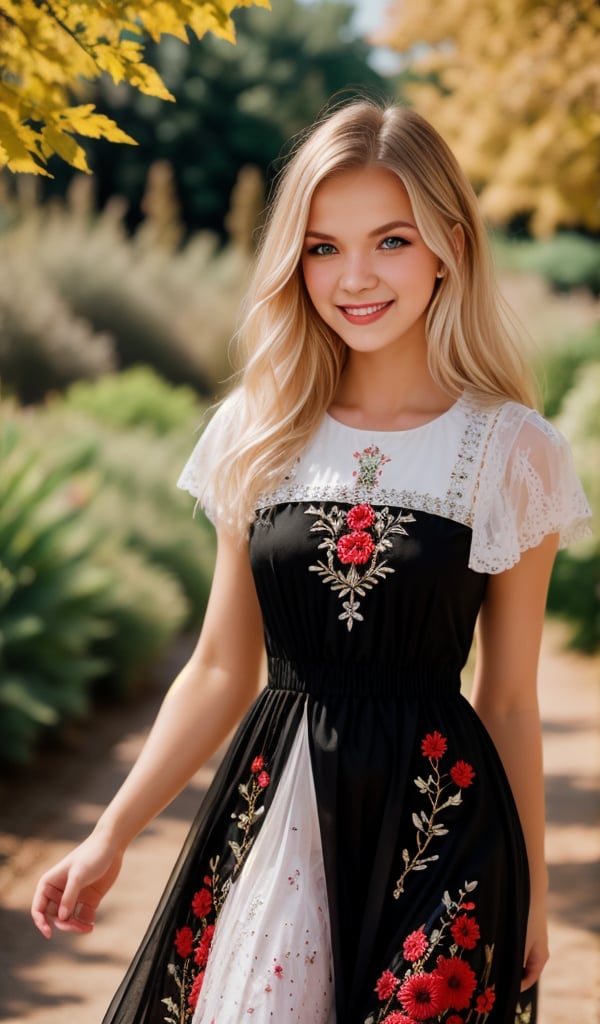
48 46
235 107
514 85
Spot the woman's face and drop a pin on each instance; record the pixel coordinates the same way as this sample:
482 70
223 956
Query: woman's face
367 270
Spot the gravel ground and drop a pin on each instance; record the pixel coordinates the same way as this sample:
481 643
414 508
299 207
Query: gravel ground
70 980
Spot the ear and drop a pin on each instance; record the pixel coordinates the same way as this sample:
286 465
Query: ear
458 241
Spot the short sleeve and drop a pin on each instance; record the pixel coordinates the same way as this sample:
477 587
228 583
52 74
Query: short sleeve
198 474
527 488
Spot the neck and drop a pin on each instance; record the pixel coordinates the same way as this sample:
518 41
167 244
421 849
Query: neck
389 390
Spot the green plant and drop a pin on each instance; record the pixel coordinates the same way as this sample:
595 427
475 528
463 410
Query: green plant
575 585
135 397
560 364
52 597
91 551
566 260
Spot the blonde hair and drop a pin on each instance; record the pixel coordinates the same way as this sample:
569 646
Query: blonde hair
293 360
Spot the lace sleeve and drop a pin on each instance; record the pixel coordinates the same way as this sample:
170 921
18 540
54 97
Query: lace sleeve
527 488
199 471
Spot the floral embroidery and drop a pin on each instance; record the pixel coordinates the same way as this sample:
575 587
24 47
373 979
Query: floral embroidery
524 1014
439 981
193 942
370 466
348 542
427 824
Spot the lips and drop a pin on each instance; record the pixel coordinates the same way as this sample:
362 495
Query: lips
365 314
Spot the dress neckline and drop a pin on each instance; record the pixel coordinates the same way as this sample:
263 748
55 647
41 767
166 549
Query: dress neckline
367 431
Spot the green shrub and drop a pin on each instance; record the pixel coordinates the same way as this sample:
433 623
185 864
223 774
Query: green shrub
567 260
575 585
136 397
129 300
43 345
94 536
560 364
52 597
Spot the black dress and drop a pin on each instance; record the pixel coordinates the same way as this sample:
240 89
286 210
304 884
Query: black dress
359 858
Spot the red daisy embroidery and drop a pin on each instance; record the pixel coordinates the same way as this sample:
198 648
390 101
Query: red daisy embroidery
415 945
258 764
465 931
396 1018
456 982
263 780
361 517
201 954
462 774
202 903
420 996
184 941
355 548
386 986
434 745
485 1001
455 1019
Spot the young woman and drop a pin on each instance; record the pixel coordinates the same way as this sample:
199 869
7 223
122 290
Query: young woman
371 848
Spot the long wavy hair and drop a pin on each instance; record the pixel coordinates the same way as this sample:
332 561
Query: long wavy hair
292 360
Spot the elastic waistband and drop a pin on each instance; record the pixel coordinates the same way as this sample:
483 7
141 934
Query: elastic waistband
361 680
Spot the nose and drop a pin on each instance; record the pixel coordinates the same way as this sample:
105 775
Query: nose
357 273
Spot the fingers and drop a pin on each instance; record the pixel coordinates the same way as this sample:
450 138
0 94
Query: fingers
67 910
533 968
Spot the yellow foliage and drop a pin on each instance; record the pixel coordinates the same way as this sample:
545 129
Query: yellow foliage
49 49
514 86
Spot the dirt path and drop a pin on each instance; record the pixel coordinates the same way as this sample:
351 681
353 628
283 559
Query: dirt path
70 980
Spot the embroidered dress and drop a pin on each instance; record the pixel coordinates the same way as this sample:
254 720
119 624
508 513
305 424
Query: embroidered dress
359 858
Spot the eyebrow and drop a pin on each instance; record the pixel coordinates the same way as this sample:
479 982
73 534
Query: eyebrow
392 225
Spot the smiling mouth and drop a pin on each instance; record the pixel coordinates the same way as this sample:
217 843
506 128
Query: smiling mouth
365 310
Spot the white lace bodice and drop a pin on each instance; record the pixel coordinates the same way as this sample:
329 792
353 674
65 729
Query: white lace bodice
499 468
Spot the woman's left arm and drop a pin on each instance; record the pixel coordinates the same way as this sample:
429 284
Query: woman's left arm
505 698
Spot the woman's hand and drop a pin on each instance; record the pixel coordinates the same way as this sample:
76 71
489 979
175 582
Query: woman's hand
536 944
67 896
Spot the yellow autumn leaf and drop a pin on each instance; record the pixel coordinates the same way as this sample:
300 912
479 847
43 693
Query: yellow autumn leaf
65 146
47 50
83 120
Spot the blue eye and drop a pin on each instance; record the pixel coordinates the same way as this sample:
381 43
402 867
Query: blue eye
322 249
393 242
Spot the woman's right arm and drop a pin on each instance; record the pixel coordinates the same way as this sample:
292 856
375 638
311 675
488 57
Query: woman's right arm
205 702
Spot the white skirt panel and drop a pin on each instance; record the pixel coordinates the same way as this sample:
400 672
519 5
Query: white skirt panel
270 958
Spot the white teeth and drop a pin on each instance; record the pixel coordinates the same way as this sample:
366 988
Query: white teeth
364 310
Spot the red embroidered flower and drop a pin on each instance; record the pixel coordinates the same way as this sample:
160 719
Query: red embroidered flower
184 941
361 517
195 990
202 903
201 954
434 745
386 986
263 780
420 996
485 1001
455 1019
355 548
465 931
457 982
468 906
258 764
396 1018
462 774
415 945
278 971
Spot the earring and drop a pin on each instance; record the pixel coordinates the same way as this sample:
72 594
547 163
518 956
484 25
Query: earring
440 273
